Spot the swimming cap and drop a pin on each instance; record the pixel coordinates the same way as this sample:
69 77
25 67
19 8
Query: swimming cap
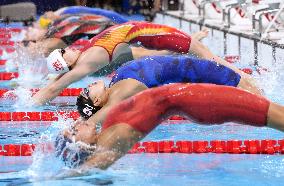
85 106
44 22
56 63
71 153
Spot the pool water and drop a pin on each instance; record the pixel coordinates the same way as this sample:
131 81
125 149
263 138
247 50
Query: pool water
146 169
155 169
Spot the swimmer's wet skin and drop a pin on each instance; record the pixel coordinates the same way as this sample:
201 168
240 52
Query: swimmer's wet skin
128 122
99 51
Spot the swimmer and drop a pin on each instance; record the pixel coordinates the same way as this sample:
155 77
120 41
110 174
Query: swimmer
38 29
66 31
51 19
132 119
138 75
106 48
50 16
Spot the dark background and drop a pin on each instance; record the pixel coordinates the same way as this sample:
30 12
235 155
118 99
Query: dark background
42 5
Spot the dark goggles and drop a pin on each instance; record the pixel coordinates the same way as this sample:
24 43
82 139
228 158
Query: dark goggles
27 42
85 93
63 51
85 105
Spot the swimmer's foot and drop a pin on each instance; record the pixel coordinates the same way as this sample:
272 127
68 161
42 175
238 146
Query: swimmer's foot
201 34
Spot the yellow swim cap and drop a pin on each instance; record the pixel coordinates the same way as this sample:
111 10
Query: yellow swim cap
44 22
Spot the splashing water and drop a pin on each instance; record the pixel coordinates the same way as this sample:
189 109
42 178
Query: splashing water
18 37
271 82
33 73
31 67
42 168
22 97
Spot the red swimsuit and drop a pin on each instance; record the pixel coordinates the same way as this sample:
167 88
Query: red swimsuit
202 103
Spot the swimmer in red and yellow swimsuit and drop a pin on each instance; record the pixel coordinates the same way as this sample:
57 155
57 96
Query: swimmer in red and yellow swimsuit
149 35
111 49
127 122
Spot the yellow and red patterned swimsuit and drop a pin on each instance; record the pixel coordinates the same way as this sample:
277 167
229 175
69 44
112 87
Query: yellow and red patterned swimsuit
149 35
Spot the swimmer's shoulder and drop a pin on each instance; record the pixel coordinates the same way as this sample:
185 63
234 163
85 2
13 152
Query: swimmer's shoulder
126 88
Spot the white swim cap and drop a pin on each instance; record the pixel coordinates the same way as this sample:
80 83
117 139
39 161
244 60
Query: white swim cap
56 63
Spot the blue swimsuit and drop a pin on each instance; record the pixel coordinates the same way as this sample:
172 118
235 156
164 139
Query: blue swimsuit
115 17
159 70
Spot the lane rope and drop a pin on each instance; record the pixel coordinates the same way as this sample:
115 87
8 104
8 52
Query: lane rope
267 146
65 92
9 30
51 116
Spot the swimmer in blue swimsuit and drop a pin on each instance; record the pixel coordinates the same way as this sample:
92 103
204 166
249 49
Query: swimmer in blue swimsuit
50 16
138 75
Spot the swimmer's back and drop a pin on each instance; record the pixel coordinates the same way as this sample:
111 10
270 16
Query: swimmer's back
159 70
203 103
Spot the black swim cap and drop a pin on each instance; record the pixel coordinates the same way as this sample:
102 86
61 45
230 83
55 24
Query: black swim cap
85 106
69 152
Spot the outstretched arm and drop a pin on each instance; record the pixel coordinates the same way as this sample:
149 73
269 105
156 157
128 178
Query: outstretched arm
54 88
89 62
112 145
98 118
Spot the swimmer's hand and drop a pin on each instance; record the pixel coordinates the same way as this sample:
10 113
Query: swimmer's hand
67 173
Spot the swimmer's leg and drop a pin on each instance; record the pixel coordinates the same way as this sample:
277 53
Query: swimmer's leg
202 51
275 118
139 52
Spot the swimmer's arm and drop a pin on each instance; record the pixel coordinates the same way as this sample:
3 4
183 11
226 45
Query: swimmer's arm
113 143
99 117
101 160
54 88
